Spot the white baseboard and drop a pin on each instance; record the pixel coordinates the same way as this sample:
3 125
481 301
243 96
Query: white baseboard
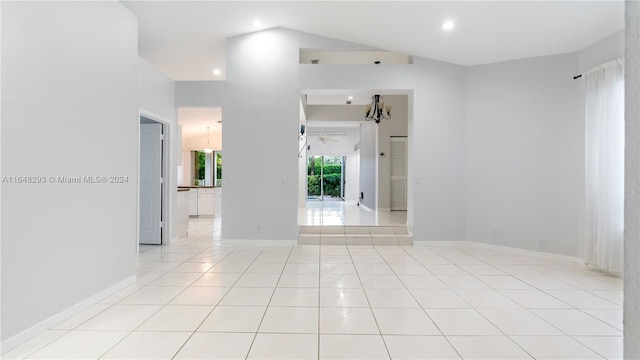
531 252
258 242
501 247
22 337
425 243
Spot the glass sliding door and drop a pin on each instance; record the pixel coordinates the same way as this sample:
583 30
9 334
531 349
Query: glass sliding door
314 175
325 178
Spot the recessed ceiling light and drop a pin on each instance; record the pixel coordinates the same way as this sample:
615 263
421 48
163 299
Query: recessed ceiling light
448 25
217 72
350 98
257 24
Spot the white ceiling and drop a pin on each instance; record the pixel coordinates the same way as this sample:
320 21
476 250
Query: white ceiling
186 39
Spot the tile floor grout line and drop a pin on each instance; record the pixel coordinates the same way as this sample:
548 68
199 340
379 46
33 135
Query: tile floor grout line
590 348
152 315
110 306
216 305
269 302
416 300
539 317
492 323
476 309
195 247
572 307
319 292
369 302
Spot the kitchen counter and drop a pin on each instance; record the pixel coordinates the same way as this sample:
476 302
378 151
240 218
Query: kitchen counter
202 200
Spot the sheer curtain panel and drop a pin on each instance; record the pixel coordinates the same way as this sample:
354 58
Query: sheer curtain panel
604 87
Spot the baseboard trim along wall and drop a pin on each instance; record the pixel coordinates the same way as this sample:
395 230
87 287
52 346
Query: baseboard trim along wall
259 242
26 335
500 247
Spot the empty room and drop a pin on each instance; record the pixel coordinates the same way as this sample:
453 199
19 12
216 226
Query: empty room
320 180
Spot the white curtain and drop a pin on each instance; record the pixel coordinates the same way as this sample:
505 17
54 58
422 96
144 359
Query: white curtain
604 86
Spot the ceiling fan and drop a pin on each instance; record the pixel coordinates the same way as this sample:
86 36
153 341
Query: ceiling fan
323 138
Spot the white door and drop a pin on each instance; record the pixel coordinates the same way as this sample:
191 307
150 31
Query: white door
358 175
150 184
398 173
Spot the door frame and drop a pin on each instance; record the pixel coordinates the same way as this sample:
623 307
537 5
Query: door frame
166 176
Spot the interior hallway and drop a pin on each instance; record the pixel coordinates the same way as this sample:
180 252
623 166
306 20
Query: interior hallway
200 299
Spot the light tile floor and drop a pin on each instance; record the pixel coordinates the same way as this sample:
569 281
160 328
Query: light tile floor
335 213
201 299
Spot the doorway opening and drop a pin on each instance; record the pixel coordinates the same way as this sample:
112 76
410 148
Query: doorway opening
153 162
377 187
325 178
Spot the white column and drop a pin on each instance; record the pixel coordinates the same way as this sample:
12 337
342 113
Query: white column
632 184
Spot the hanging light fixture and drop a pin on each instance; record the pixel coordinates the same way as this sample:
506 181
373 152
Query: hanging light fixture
377 111
208 150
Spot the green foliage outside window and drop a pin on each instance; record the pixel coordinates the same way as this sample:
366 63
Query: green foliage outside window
332 176
201 160
218 169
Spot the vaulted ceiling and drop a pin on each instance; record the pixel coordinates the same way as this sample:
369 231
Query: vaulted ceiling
186 39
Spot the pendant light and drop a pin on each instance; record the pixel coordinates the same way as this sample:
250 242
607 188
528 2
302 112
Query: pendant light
208 149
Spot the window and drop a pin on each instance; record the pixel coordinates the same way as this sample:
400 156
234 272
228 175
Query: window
207 168
218 166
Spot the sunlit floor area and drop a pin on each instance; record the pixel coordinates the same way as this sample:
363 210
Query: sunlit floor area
201 299
336 213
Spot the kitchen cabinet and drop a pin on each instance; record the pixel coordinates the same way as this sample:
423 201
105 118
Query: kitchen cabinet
182 221
217 201
193 202
206 204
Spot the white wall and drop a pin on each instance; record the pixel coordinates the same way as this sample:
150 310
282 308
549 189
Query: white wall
437 123
261 105
156 96
368 165
525 140
186 168
436 180
337 113
260 137
607 49
156 92
396 126
437 116
525 155
69 108
201 93
632 184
